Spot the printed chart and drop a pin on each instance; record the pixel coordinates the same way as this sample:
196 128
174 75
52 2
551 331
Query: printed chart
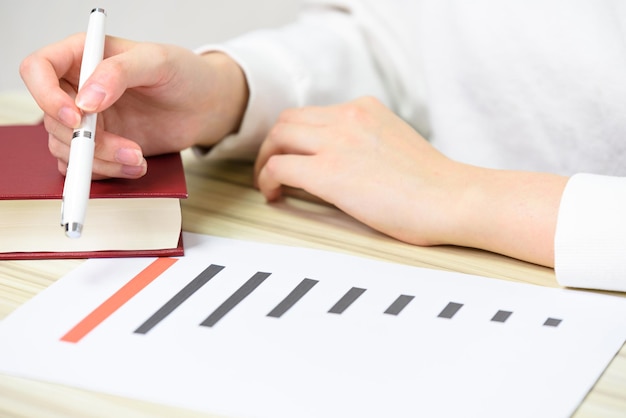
245 329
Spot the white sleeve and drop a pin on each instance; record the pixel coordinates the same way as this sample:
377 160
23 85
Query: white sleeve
320 59
590 239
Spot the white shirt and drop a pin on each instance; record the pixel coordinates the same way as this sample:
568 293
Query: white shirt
534 85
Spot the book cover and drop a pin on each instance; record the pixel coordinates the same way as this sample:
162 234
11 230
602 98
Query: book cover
30 172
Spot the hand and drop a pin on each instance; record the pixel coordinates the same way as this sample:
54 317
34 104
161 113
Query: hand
366 161
369 163
151 99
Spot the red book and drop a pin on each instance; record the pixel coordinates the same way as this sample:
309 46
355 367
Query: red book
125 218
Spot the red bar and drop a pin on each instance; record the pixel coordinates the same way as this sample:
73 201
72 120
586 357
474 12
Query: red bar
118 299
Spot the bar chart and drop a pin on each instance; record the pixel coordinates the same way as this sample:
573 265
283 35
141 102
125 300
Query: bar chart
159 266
298 332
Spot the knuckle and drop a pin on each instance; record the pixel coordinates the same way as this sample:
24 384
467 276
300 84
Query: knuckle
369 101
28 68
26 65
62 167
271 165
286 115
159 51
159 54
113 68
277 131
361 110
56 147
354 112
56 129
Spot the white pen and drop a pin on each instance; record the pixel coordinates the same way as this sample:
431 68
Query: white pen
78 177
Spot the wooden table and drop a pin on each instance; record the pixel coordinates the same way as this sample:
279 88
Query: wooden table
222 202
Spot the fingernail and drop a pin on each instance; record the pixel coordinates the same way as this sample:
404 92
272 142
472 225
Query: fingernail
69 117
129 156
135 170
90 97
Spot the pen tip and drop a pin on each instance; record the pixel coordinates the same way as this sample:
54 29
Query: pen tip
73 230
99 10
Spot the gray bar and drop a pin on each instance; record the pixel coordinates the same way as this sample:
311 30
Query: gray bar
501 316
179 298
399 304
239 295
552 322
450 310
347 300
296 294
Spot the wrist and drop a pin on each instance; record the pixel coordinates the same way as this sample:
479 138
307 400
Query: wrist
228 100
510 212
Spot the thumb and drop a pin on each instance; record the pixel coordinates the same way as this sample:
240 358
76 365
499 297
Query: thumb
90 97
130 64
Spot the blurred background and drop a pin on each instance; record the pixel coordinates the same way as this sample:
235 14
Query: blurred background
27 25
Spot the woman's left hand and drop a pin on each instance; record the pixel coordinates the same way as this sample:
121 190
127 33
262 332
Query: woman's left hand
369 163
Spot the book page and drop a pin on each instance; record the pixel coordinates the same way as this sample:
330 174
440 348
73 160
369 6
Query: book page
244 329
110 224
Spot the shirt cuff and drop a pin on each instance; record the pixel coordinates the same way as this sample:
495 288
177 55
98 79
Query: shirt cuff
590 239
269 93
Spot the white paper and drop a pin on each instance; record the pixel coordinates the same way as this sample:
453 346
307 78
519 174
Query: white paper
312 363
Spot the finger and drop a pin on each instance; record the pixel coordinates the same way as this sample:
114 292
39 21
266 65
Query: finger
45 70
59 149
131 65
41 72
108 146
57 130
105 170
114 156
54 125
288 170
302 130
290 138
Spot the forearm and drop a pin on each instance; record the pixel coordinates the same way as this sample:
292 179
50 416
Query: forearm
510 212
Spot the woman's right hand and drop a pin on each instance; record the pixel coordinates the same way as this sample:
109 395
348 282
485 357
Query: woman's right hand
151 99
